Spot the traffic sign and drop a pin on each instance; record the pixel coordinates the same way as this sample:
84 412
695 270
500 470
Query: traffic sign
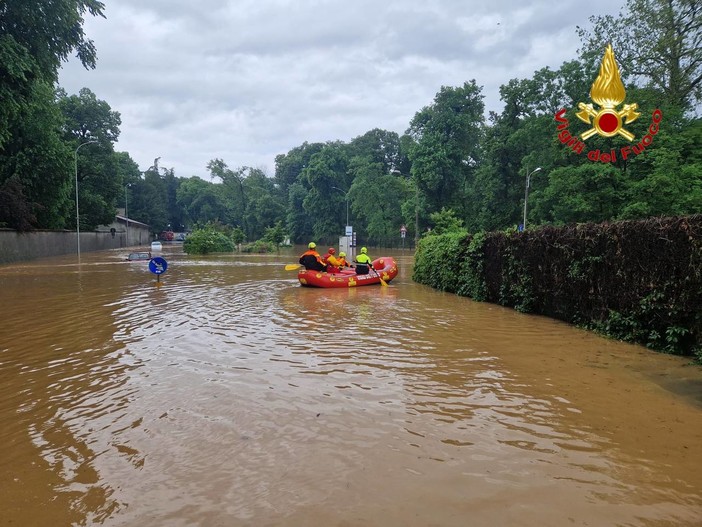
158 265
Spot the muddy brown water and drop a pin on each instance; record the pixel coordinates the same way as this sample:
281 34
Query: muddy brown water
228 395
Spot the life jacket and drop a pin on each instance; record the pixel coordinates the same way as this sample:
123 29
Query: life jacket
312 261
363 263
332 264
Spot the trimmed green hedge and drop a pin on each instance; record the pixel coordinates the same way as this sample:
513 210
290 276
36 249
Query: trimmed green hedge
638 281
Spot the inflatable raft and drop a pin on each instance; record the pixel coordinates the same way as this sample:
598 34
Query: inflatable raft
385 268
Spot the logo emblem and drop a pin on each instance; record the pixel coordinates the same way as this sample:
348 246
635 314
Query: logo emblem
608 92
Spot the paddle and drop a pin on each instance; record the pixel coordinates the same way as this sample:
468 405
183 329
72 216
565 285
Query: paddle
292 267
382 282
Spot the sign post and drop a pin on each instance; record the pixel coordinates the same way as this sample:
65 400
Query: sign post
158 266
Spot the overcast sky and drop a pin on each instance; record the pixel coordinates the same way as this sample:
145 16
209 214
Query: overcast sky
245 80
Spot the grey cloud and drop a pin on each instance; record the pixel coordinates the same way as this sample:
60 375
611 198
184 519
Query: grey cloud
246 80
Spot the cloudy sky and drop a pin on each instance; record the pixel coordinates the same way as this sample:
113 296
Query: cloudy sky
246 80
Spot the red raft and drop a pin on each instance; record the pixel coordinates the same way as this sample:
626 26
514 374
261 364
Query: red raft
385 268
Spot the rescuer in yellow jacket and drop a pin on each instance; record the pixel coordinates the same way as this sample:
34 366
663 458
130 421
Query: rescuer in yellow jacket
363 262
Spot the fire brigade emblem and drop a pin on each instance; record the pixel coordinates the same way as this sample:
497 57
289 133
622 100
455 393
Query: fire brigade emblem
608 92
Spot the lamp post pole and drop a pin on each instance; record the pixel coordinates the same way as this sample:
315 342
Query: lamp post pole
416 217
346 197
526 192
75 157
126 211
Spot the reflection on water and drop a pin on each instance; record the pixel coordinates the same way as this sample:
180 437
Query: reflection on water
229 395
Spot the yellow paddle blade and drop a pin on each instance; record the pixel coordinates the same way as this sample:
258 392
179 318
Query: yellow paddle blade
382 282
292 267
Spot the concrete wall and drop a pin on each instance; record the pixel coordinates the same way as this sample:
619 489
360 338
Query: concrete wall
17 247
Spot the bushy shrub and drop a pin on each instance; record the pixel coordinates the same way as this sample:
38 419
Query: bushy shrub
260 246
205 241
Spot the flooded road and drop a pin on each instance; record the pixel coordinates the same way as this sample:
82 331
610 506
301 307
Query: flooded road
231 396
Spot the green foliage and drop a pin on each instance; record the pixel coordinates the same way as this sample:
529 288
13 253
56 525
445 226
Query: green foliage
208 240
446 138
376 196
517 282
660 41
438 260
471 280
585 193
260 246
36 166
445 221
237 235
449 159
275 235
636 281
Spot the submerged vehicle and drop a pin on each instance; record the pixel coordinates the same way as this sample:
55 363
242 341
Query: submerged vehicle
382 270
139 256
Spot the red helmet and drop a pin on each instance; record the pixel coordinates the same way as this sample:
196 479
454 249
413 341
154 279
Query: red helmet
331 250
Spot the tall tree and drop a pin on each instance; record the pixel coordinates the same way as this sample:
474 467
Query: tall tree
288 167
658 41
36 166
100 181
328 168
35 37
202 200
445 151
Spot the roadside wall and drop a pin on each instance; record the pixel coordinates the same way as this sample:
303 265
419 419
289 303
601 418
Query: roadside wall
23 246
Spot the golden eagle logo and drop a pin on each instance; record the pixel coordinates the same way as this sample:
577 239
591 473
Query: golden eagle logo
608 92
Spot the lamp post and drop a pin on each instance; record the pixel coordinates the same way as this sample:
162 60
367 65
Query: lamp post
416 216
526 192
126 210
416 206
346 197
75 157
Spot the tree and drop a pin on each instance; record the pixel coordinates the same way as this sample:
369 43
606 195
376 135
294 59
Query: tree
36 166
101 185
275 234
376 196
670 182
150 199
202 200
446 138
445 221
586 193
378 146
35 37
265 206
657 41
233 192
327 169
288 167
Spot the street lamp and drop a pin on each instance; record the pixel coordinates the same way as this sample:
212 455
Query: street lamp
416 206
416 215
526 192
75 156
346 197
126 210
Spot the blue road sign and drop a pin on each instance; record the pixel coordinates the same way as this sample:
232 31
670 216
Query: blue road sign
158 265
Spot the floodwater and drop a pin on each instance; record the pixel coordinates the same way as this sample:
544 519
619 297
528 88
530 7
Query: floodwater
224 394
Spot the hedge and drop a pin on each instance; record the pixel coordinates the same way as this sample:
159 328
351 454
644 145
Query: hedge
638 281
